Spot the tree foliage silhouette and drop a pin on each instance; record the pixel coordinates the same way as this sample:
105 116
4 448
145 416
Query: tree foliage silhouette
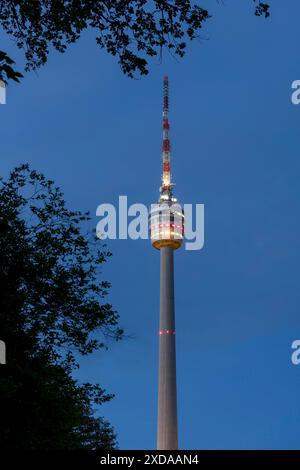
7 71
52 309
132 30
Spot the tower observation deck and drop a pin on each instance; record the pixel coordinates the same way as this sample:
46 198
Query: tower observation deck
166 223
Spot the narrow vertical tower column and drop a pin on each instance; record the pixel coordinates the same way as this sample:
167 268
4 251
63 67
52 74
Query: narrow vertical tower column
167 232
167 429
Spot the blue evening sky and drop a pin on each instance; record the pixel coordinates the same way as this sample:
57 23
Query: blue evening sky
235 140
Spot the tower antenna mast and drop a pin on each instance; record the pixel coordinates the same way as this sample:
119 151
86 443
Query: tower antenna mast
166 186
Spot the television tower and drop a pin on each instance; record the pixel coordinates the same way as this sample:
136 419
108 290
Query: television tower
167 232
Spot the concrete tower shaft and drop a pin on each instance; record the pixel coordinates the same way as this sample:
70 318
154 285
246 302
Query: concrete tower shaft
167 428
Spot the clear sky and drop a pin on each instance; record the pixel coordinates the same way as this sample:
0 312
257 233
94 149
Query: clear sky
235 140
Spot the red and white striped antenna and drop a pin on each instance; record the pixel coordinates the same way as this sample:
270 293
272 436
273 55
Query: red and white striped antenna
166 187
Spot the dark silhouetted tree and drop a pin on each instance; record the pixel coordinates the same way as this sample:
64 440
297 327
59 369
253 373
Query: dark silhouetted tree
7 71
52 308
128 29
